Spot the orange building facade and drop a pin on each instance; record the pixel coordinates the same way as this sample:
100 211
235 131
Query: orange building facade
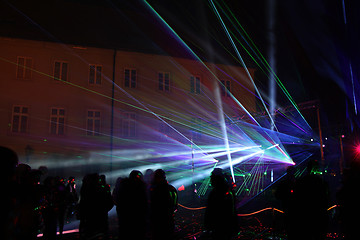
65 102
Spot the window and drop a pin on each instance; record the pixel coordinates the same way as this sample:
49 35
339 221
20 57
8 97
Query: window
24 65
93 123
225 87
95 73
130 78
57 121
60 70
20 117
195 84
164 81
128 125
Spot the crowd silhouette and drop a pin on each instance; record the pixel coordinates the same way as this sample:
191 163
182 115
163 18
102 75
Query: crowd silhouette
145 210
33 204
146 204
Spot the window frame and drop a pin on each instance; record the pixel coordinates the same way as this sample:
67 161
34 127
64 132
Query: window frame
26 69
225 88
96 74
132 82
58 124
195 84
20 116
61 71
93 131
162 83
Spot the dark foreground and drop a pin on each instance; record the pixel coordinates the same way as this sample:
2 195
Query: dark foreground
265 225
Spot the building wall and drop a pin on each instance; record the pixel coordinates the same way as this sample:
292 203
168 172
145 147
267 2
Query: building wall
41 93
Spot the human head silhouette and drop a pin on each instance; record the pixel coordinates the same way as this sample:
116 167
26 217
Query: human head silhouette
217 178
136 175
159 176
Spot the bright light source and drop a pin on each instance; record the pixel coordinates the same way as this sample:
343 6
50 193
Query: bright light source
356 149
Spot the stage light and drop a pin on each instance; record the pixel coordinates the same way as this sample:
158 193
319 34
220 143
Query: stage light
357 150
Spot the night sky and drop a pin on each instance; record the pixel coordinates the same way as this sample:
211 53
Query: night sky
313 46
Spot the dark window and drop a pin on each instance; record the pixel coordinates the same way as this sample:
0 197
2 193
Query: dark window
164 81
95 74
195 84
60 71
98 74
225 87
57 121
93 123
130 78
24 68
20 119
133 78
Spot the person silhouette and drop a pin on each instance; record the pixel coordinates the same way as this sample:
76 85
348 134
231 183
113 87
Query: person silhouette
49 212
310 205
348 197
28 202
95 203
220 214
163 204
9 160
72 198
131 206
285 193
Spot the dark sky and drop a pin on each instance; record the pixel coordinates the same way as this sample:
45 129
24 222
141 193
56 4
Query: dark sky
316 38
313 46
